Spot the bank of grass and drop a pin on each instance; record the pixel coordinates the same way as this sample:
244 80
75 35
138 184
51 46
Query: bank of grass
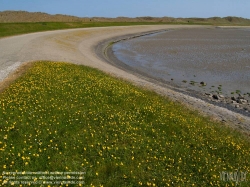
64 117
10 29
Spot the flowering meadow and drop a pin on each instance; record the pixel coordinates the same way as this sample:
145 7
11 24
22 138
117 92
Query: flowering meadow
64 117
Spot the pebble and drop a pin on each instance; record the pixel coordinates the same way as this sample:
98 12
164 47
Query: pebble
240 97
237 106
238 102
215 97
208 94
221 96
203 83
241 101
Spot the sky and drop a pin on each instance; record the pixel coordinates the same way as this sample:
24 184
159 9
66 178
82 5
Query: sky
133 8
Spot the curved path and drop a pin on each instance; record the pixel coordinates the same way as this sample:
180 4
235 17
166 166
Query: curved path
79 46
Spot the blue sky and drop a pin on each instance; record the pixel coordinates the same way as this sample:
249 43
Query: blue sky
133 8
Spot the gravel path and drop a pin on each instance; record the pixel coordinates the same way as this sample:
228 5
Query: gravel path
79 46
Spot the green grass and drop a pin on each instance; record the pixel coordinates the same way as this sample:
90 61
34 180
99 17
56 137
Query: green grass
10 29
64 117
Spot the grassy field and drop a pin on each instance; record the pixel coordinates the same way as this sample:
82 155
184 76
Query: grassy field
70 118
9 29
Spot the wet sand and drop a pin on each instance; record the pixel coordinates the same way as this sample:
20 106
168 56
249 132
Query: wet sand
217 109
219 57
184 58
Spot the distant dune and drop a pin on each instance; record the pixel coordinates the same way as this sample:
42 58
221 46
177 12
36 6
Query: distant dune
23 16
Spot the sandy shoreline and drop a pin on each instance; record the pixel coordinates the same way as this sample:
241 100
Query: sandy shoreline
216 56
191 99
195 91
80 46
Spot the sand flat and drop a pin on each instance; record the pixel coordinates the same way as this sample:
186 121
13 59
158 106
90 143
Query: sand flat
217 56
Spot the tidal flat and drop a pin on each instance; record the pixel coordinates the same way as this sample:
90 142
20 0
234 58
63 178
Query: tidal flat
213 60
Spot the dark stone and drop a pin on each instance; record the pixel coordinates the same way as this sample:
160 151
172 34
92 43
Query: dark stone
215 97
203 83
208 94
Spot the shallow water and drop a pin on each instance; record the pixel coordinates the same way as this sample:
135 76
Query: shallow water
216 56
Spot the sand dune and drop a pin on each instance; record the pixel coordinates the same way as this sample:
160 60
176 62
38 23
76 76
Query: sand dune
23 16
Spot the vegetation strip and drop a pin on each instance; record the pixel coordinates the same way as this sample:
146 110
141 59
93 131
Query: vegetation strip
65 117
10 29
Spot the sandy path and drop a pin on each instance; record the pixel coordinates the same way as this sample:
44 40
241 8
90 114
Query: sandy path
78 46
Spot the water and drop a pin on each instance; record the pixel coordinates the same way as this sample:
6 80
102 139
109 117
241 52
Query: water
219 57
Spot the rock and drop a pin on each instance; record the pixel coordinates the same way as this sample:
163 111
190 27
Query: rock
245 101
233 98
240 97
215 97
237 106
208 94
234 102
221 96
241 101
203 83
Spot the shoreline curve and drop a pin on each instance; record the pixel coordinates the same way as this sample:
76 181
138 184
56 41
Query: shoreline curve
79 46
217 111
